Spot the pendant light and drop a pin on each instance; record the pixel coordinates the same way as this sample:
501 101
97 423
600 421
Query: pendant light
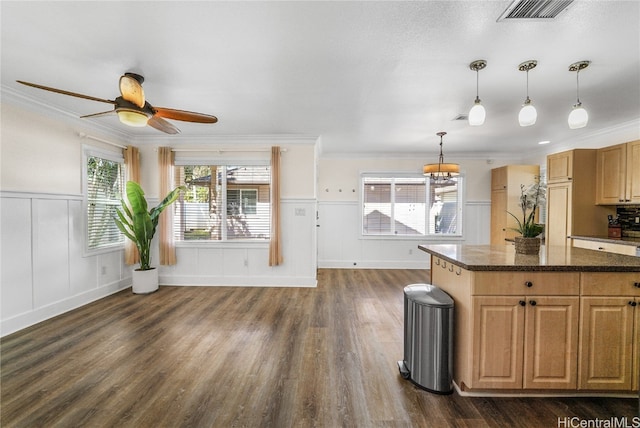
578 118
528 113
441 171
477 113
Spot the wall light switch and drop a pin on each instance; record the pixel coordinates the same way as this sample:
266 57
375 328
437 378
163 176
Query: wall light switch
301 212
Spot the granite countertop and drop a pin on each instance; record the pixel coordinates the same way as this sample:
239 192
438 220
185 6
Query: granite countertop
631 241
551 258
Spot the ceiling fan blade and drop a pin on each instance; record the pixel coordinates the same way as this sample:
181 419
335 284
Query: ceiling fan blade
60 91
186 116
131 89
103 113
162 125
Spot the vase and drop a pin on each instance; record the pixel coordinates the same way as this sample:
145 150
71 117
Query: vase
145 281
527 245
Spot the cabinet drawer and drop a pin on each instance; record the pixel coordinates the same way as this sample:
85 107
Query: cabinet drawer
610 284
608 247
517 283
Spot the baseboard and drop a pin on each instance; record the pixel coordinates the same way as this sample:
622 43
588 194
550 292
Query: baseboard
373 264
27 319
238 281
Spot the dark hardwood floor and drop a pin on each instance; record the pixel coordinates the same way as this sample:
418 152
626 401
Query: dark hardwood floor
248 357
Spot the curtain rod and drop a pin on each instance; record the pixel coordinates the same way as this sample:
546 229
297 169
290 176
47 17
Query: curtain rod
225 150
91 137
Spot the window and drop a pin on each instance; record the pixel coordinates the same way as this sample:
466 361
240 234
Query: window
223 203
103 188
410 205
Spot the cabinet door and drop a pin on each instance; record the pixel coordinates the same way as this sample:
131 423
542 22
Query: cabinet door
560 167
558 226
499 178
611 174
633 172
551 343
606 334
498 342
498 217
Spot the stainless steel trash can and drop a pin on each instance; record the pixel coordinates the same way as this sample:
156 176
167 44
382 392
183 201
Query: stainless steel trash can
428 338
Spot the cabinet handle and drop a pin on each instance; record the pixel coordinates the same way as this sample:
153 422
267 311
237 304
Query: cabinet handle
459 271
522 303
444 265
532 302
529 284
437 262
632 303
600 248
636 284
450 268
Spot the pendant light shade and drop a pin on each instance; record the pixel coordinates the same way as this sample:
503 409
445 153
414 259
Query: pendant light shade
477 114
578 118
441 171
528 113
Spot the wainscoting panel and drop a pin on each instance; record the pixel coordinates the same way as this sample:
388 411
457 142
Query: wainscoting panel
43 269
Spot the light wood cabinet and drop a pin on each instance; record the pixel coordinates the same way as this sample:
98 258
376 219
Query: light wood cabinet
571 208
513 330
528 342
505 197
560 167
618 174
609 332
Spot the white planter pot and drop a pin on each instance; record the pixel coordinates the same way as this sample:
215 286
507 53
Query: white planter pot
145 281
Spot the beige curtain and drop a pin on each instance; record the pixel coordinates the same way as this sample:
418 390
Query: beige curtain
275 246
165 222
132 162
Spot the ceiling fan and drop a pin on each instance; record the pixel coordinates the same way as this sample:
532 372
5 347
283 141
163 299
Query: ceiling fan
132 108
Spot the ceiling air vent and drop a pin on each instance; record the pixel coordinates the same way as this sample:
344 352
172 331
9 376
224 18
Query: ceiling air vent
461 116
535 9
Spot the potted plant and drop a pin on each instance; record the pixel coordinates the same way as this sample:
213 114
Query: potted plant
139 225
530 198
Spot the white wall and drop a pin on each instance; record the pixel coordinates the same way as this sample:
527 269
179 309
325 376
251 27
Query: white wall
340 244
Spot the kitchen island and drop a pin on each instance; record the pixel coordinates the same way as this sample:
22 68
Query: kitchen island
564 321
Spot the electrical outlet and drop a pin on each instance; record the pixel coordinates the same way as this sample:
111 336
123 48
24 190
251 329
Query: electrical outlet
637 220
410 251
246 263
103 270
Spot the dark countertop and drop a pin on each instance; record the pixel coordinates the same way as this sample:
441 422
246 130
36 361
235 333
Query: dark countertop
551 258
631 241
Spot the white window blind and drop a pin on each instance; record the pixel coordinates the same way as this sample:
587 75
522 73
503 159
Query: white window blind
410 205
104 184
223 202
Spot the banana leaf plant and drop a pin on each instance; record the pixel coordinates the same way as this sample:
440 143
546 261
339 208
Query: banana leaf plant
137 223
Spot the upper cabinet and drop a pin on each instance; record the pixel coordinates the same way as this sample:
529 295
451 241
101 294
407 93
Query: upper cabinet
618 174
560 167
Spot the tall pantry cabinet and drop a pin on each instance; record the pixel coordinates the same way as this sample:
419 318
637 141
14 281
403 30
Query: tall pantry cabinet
505 196
571 197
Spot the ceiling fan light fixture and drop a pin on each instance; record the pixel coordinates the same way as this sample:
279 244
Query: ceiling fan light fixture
132 118
528 113
441 171
578 118
477 114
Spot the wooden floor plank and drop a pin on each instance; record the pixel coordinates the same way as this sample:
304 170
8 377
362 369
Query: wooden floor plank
255 357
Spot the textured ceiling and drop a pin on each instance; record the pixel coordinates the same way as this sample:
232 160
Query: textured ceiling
367 77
